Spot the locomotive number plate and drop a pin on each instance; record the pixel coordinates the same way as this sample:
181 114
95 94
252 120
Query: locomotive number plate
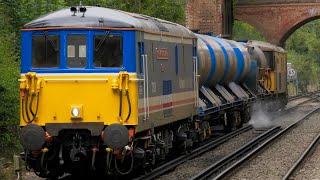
162 53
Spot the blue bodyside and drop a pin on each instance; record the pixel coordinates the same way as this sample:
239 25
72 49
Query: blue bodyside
213 58
129 54
176 59
141 53
167 87
226 70
240 62
167 90
198 60
194 51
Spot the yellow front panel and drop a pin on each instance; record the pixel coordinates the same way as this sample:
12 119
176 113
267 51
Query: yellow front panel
269 83
281 72
92 94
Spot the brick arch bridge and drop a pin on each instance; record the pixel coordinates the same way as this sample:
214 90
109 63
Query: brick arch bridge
277 20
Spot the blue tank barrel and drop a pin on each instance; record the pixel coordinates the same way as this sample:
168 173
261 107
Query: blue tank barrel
242 58
231 63
221 61
212 61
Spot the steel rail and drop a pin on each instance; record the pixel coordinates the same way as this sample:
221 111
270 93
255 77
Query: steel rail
285 111
214 168
303 157
194 153
263 146
292 98
299 104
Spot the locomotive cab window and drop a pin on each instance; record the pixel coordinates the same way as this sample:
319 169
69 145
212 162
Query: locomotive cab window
107 51
45 51
76 51
270 58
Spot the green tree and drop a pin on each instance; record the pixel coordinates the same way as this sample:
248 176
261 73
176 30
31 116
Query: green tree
244 31
304 53
9 73
163 9
31 9
13 15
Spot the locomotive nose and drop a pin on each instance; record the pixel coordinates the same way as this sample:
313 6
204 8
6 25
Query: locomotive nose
116 136
32 137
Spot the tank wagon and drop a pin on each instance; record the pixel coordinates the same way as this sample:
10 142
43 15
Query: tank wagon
106 90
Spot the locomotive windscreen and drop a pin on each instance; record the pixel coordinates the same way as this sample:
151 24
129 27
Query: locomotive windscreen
269 58
107 51
77 50
45 51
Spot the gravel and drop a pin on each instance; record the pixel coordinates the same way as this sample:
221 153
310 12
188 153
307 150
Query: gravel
260 120
293 116
311 168
192 167
30 176
275 161
296 102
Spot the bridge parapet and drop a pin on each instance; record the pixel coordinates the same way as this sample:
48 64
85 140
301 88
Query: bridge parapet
267 2
278 20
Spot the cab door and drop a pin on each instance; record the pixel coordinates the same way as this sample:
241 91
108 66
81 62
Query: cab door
144 83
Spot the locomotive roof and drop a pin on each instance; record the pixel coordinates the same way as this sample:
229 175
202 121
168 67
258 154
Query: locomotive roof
99 17
265 46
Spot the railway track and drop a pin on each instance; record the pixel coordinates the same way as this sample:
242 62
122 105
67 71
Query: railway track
207 147
261 148
214 168
303 158
196 152
309 167
302 102
292 98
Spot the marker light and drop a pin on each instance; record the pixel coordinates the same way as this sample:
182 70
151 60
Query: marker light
83 10
73 10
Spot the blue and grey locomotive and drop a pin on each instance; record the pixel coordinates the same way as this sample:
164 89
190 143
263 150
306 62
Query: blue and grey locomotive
107 90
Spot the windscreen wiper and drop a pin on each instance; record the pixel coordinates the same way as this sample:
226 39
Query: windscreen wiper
51 41
104 38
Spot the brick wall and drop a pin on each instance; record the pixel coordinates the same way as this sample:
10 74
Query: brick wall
205 16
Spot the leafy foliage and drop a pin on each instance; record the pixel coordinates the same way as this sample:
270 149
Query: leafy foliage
9 71
304 53
243 31
164 9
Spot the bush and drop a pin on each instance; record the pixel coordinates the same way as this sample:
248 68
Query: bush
9 91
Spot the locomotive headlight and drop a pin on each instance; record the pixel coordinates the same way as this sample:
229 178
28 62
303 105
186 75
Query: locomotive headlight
75 112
